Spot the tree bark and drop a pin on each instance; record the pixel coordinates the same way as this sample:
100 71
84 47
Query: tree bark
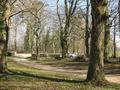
99 16
4 29
114 41
87 30
107 40
119 13
74 44
37 44
70 8
65 38
15 40
63 31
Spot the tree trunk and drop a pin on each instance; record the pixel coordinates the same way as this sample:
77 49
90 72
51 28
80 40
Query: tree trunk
70 8
15 40
62 44
4 28
2 53
87 30
73 44
37 45
65 38
119 14
114 41
53 46
99 16
107 41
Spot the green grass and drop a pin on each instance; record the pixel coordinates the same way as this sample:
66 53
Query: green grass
20 77
71 64
117 53
61 63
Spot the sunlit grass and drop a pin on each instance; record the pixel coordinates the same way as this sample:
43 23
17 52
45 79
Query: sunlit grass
21 77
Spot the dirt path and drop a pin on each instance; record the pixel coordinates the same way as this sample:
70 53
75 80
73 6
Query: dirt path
46 67
115 78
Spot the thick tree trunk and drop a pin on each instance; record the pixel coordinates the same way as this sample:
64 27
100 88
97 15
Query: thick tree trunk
2 54
64 41
65 38
70 8
4 28
99 16
63 45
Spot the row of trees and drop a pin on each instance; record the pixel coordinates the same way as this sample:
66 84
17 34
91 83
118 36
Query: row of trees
51 37
68 25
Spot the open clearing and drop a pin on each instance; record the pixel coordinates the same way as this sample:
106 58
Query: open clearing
76 68
45 74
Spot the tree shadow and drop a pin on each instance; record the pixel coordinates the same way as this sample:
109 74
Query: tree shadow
113 71
25 74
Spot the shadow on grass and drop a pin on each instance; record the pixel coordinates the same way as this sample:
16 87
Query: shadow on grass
25 74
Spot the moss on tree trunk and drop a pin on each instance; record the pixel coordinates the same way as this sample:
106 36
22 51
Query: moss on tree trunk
4 29
107 42
99 16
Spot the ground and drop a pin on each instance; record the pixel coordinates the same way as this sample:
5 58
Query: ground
51 74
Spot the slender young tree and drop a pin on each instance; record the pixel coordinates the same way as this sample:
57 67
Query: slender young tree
99 17
87 30
119 15
61 28
114 40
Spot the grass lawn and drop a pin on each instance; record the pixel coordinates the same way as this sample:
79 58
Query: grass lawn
71 64
20 77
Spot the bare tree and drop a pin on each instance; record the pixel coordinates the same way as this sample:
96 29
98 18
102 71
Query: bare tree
69 11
